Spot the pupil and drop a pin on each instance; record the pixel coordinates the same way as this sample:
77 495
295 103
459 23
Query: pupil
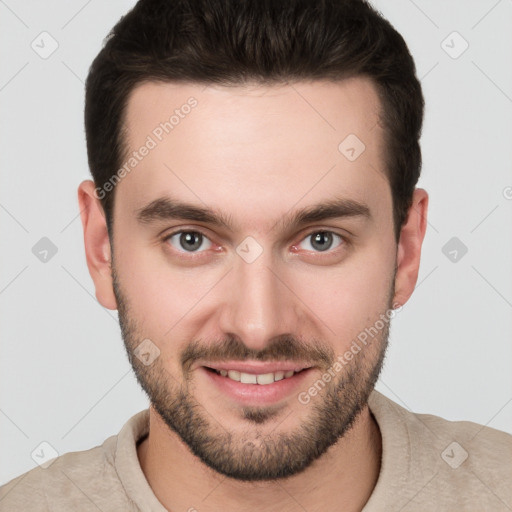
322 241
191 241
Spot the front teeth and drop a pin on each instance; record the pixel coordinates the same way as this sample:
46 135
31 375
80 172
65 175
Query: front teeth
250 378
265 378
234 375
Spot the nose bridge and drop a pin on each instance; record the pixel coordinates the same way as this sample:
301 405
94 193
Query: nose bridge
259 307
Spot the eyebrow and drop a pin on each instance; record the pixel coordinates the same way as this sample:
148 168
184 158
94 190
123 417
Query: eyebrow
167 208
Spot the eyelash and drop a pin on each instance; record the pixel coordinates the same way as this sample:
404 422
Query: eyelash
194 254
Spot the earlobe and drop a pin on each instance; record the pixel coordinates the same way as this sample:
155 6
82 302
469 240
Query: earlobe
409 247
97 243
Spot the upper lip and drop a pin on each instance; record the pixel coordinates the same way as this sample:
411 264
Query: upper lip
257 367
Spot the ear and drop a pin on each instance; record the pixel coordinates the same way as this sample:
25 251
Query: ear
97 244
409 247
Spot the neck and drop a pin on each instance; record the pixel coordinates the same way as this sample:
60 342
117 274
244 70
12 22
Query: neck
346 474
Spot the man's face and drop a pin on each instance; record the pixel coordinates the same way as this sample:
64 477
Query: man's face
258 293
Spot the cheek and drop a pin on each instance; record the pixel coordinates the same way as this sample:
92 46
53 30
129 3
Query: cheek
161 297
351 297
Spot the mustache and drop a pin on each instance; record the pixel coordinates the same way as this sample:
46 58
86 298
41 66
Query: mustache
280 348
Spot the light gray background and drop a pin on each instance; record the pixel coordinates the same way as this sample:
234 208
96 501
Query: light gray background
64 376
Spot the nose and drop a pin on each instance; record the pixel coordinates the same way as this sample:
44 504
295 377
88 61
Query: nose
260 305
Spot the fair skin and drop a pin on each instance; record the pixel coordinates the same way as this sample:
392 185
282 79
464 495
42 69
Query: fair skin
256 154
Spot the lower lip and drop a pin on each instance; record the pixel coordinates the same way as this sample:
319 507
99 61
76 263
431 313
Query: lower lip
259 394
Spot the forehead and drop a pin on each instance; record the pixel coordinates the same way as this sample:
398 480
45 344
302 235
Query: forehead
254 147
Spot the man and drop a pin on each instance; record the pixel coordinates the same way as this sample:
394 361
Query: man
254 218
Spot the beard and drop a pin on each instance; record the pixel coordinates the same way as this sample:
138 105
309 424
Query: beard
256 454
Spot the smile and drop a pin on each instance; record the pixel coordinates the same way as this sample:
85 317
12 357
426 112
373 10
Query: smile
251 378
256 382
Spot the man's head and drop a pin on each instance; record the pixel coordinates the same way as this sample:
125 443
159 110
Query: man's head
270 154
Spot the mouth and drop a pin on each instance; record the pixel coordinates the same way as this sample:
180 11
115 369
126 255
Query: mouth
256 383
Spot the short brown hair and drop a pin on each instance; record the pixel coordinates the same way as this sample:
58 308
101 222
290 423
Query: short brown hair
233 42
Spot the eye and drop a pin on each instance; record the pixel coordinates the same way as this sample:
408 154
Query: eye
321 241
189 241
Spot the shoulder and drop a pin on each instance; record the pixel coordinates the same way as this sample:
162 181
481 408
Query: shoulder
451 463
488 442
479 442
73 481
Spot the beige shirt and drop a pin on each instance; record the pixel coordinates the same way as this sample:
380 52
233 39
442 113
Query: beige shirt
428 464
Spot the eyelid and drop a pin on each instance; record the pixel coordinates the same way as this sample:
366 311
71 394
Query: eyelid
184 230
